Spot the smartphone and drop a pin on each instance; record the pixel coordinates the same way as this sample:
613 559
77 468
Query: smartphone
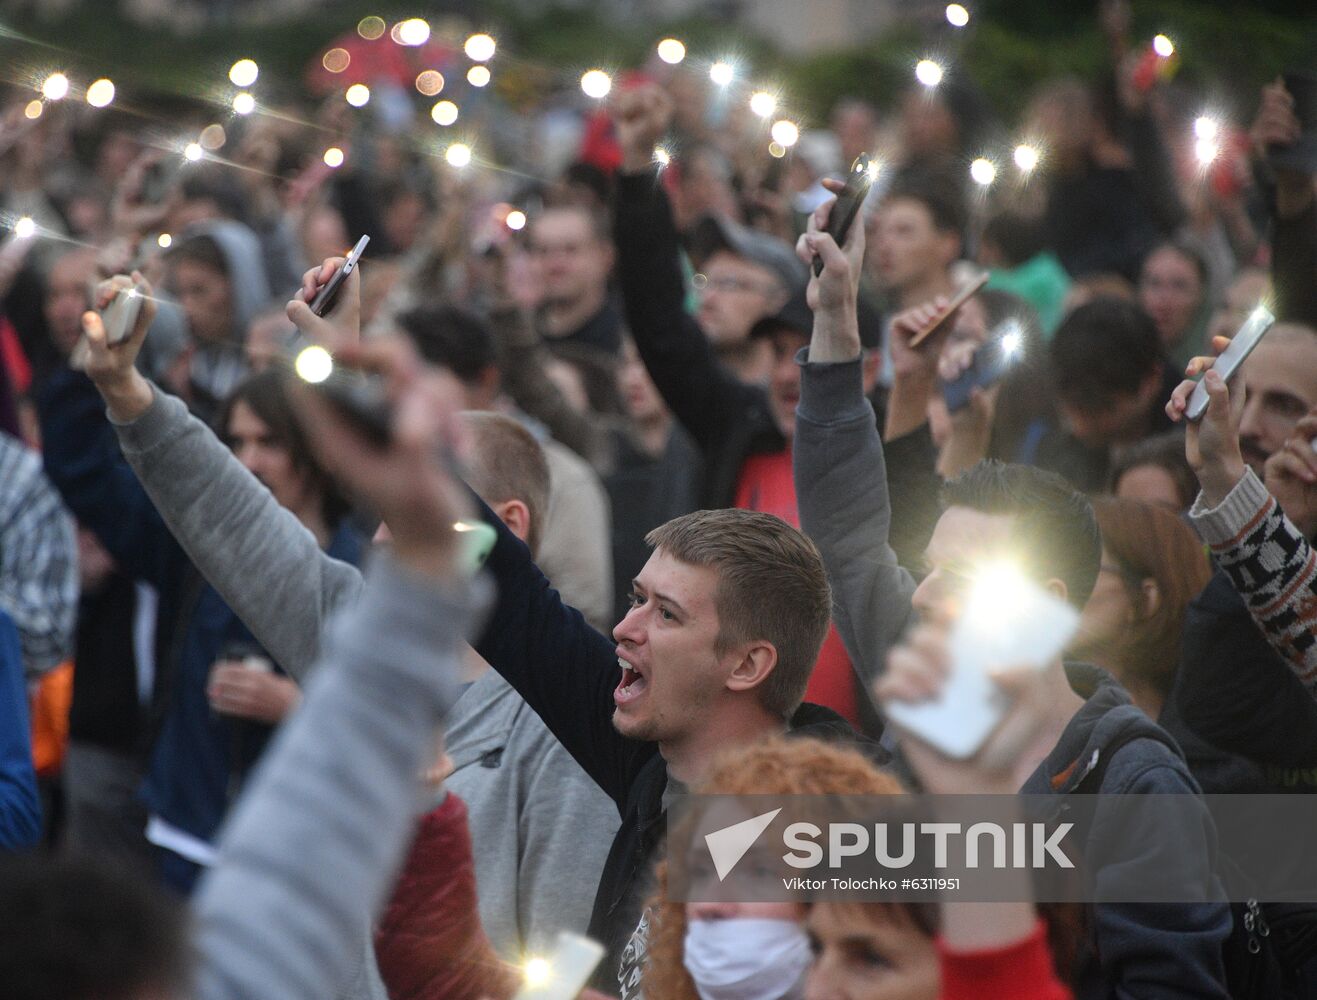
120 316
990 364
325 298
160 179
1008 622
1259 321
858 182
961 297
564 973
477 540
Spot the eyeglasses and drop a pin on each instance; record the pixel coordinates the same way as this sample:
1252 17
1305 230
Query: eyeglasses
721 283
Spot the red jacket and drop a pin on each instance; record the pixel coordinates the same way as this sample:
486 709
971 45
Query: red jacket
1024 971
429 944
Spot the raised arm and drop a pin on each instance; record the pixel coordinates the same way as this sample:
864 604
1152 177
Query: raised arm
706 397
261 559
841 478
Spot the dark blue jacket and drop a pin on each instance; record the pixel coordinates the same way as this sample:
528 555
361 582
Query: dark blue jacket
198 757
20 809
1118 744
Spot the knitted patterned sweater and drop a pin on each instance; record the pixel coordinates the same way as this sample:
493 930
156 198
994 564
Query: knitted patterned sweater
1272 566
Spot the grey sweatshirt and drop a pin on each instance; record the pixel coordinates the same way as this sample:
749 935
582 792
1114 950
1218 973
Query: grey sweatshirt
313 846
535 870
841 490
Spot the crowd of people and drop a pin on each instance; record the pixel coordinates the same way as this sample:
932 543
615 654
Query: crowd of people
270 725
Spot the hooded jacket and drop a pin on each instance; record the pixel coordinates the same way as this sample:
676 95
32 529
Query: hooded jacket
1162 951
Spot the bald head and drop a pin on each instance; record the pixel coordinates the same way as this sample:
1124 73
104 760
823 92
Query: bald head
1280 377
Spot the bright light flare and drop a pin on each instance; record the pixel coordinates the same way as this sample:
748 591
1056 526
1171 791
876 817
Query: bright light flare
429 82
722 73
1206 150
100 93
458 155
1026 157
193 152
1012 337
671 51
957 15
444 113
763 103
661 156
1163 46
33 109
1206 128
164 241
314 364
414 31
55 87
478 76
982 172
997 591
334 157
213 137
25 228
370 28
785 133
336 60
480 47
243 103
516 220
537 972
357 95
596 83
243 73
928 72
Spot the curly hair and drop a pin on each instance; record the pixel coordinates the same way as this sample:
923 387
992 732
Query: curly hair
775 767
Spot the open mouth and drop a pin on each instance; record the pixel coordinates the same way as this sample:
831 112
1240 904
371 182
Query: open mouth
632 685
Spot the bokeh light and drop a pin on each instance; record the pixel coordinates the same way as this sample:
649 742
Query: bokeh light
480 47
444 112
100 93
243 73
596 83
671 51
429 82
478 76
358 95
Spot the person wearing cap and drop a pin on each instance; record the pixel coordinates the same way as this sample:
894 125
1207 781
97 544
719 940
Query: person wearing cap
744 276
742 429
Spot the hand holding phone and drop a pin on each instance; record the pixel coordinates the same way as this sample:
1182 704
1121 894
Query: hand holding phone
858 182
1241 346
961 297
328 294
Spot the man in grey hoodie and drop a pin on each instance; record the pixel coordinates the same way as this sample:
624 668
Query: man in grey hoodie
529 801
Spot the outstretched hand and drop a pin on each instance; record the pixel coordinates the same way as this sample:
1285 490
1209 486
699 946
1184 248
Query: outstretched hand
409 482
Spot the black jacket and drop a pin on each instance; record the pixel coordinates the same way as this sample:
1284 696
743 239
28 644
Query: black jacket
728 419
567 672
1235 691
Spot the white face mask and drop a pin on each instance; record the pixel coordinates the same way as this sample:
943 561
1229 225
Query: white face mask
744 959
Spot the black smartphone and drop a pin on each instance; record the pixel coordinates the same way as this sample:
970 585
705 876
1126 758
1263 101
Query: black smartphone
992 360
858 182
325 298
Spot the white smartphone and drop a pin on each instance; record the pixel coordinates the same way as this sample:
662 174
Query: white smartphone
120 316
1008 622
1259 322
563 974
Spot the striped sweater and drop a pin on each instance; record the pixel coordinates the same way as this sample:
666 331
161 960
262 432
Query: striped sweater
1272 566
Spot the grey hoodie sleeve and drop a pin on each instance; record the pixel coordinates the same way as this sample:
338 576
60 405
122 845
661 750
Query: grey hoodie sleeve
261 559
311 850
841 490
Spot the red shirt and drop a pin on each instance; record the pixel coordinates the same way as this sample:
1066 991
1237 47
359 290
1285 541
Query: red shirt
765 485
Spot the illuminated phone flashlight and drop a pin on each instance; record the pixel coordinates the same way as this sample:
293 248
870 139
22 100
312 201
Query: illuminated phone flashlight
1026 158
480 47
243 73
928 72
458 155
55 87
314 364
243 103
722 73
1163 46
763 103
957 15
358 95
785 133
1207 139
444 112
100 93
983 172
478 76
414 31
25 228
671 51
662 157
596 83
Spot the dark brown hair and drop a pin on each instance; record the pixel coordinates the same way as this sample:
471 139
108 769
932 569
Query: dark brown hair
1151 542
771 586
